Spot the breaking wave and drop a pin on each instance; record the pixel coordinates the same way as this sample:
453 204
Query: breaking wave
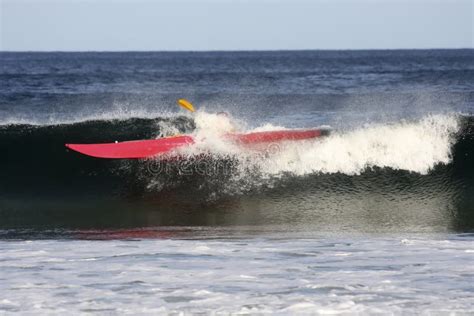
36 154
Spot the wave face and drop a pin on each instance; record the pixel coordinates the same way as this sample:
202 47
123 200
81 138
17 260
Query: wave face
422 165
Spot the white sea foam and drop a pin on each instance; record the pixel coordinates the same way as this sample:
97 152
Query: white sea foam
412 146
170 277
415 146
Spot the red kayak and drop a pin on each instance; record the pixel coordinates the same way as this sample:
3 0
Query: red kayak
140 149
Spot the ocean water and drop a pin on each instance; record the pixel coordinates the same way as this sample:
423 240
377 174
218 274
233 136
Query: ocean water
377 217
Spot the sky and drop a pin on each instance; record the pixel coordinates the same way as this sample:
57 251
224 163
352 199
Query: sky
207 25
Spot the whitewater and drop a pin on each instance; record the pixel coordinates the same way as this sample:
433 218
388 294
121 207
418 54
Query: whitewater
416 146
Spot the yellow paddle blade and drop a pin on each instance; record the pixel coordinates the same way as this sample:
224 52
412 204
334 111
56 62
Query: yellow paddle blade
186 104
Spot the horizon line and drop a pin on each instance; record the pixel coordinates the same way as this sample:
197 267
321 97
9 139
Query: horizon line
231 50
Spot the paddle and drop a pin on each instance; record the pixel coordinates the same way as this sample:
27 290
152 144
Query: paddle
186 104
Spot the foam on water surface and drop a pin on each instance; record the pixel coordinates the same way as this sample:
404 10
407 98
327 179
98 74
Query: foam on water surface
264 275
415 146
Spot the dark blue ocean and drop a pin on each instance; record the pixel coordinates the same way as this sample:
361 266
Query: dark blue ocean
377 217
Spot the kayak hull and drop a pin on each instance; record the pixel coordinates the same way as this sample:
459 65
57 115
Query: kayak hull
142 149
